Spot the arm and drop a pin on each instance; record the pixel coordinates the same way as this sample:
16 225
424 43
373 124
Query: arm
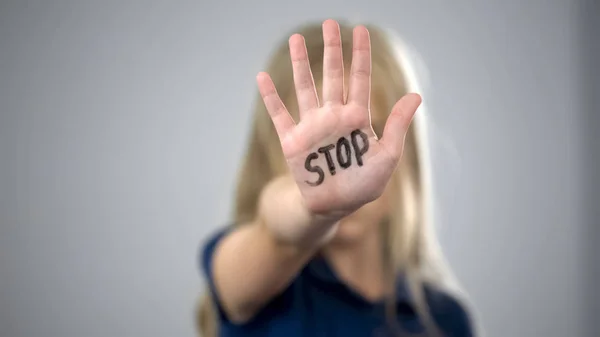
254 263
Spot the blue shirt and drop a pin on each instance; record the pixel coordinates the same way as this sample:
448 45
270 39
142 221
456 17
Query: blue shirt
318 304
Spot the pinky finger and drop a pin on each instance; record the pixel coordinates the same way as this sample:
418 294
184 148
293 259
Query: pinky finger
397 124
279 115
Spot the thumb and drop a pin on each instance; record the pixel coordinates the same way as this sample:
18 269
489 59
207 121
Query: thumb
398 122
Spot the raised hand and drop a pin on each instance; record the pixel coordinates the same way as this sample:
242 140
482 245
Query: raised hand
332 152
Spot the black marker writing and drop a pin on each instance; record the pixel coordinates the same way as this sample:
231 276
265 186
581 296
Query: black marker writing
325 150
345 144
343 154
315 169
360 151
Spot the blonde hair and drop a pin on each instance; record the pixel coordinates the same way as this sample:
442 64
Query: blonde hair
411 247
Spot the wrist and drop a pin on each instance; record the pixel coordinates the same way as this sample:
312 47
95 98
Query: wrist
283 211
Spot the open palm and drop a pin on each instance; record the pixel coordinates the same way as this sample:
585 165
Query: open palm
332 152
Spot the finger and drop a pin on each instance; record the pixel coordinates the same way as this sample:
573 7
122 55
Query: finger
359 91
397 124
279 115
303 79
333 64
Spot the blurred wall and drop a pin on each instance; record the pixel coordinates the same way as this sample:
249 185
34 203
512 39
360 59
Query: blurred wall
591 75
122 124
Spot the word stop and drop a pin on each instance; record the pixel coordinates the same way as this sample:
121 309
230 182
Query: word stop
343 154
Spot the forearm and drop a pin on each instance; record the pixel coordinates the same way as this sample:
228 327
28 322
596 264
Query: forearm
257 261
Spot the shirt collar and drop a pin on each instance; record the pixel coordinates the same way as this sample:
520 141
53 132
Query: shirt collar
322 271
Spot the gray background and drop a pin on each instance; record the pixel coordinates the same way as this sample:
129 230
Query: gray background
122 124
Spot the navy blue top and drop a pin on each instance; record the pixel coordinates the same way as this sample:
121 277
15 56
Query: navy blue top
318 304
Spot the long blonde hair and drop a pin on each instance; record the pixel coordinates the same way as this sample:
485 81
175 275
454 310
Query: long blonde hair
411 247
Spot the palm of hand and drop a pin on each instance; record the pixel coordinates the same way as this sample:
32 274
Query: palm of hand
333 153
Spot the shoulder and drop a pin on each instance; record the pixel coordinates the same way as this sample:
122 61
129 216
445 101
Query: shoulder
205 261
449 313
208 246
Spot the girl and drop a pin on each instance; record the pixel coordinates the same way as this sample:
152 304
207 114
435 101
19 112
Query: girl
332 234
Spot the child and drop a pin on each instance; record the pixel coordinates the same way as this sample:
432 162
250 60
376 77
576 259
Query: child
332 234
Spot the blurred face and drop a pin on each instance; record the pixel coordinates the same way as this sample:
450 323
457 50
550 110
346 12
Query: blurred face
364 222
